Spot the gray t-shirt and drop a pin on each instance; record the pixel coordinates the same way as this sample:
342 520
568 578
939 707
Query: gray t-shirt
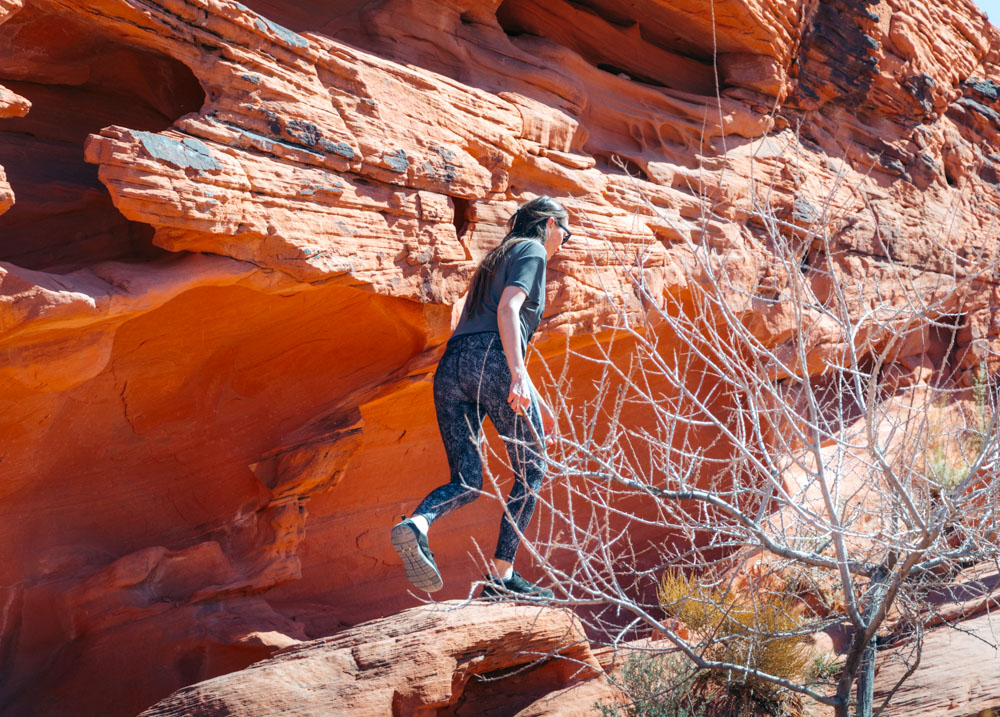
523 266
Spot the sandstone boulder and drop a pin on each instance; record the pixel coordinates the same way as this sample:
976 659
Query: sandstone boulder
453 658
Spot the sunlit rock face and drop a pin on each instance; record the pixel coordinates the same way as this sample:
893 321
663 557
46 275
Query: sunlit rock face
234 238
448 659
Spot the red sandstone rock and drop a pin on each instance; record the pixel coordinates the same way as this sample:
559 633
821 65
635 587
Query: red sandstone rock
230 252
452 658
959 670
12 104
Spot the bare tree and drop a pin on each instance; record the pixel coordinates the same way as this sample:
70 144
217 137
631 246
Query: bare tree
798 433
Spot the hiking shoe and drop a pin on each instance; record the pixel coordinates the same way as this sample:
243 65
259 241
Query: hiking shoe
515 587
418 560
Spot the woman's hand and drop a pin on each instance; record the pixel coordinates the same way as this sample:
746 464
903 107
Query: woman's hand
519 397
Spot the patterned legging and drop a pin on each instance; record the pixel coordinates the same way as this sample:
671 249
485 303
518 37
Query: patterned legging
473 381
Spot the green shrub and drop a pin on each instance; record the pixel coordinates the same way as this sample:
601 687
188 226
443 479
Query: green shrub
658 685
655 685
825 668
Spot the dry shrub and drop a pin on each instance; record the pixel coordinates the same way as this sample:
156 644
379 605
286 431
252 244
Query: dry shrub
760 630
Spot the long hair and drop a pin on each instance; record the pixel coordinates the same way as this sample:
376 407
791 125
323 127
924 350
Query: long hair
526 224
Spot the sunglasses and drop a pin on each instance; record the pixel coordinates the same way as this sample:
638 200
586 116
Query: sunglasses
566 232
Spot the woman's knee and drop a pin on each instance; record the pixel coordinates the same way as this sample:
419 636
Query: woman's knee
471 482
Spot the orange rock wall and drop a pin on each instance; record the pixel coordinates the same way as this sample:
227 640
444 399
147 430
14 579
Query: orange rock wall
233 239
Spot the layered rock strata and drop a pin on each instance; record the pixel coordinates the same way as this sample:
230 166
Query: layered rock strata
942 684
959 664
457 658
235 236
448 659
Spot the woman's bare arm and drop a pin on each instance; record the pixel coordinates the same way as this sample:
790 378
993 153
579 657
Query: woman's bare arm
508 321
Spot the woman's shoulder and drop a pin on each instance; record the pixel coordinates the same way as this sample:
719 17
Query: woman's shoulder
526 248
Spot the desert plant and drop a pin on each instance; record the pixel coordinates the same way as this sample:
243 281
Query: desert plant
658 684
953 442
654 685
824 669
761 630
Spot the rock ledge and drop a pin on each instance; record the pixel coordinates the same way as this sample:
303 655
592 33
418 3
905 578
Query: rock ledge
450 658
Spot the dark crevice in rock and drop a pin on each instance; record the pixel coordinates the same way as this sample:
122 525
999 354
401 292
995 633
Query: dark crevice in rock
613 40
611 163
621 72
461 218
943 349
79 82
510 25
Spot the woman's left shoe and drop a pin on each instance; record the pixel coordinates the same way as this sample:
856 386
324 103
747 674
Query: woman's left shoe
418 561
514 588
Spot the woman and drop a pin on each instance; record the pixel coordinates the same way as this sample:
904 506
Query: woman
481 374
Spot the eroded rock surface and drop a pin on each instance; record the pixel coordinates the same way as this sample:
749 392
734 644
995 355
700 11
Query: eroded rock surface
457 658
234 237
959 673
959 670
446 659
